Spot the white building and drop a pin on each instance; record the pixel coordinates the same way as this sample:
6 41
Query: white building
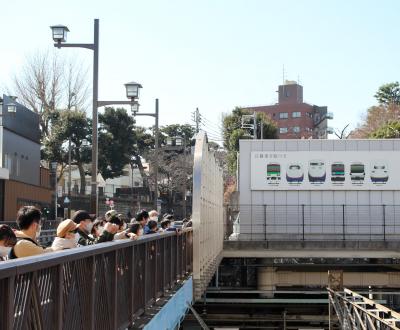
130 178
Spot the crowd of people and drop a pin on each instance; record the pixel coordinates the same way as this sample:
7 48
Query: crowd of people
81 230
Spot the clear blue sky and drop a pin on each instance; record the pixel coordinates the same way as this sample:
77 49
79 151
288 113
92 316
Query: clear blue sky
216 55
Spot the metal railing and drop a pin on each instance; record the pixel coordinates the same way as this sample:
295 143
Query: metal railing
357 312
320 222
105 286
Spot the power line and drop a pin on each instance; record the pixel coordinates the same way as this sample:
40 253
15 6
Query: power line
212 130
210 123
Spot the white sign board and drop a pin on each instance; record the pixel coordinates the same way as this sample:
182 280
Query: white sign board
325 170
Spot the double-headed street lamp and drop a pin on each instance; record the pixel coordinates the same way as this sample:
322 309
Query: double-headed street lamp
132 92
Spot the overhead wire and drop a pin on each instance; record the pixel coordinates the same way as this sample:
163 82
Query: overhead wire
213 125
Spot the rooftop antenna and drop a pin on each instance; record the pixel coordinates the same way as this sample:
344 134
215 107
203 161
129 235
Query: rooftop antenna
298 79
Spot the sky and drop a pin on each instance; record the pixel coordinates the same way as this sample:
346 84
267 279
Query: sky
218 54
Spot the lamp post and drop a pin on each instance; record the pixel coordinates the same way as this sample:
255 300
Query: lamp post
135 110
60 37
53 169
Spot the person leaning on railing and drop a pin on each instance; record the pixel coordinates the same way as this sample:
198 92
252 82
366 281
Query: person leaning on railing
65 236
7 241
85 223
29 222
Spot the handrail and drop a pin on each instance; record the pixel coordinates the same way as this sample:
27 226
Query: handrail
80 288
355 311
54 258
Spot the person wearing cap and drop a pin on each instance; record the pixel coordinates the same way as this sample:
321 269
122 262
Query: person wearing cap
109 214
84 223
65 236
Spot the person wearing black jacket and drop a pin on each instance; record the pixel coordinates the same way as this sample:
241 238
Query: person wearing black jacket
85 223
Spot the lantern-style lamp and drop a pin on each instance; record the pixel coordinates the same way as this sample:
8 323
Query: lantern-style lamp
59 33
132 90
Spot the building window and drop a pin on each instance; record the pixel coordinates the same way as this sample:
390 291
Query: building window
283 115
8 163
296 114
283 130
296 129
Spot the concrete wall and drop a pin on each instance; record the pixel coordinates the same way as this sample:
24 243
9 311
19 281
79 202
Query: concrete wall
256 220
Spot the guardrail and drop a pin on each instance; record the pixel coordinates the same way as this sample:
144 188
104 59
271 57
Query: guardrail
319 222
104 286
357 312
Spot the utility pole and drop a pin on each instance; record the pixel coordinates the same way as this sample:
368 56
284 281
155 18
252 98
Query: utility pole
262 129
184 181
255 125
69 177
196 118
156 160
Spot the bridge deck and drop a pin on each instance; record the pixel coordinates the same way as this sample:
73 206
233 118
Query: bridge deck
311 249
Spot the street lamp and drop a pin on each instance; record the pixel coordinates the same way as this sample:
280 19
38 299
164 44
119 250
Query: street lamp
135 108
132 90
59 33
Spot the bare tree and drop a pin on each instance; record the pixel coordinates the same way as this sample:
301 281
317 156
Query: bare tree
344 133
374 118
175 173
48 83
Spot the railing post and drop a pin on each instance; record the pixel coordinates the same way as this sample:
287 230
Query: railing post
303 220
146 273
8 308
132 286
343 223
114 290
59 298
384 222
91 297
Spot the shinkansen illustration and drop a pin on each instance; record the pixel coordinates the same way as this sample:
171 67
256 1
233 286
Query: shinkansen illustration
379 172
273 172
337 172
357 171
316 171
294 173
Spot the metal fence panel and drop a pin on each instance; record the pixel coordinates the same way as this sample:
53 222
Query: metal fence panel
208 220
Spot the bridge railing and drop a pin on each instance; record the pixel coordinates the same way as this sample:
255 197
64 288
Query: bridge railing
357 312
208 222
105 286
319 222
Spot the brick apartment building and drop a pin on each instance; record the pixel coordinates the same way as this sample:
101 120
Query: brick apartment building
295 118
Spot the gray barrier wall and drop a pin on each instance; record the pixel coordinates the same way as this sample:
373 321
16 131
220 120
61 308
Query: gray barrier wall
328 214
